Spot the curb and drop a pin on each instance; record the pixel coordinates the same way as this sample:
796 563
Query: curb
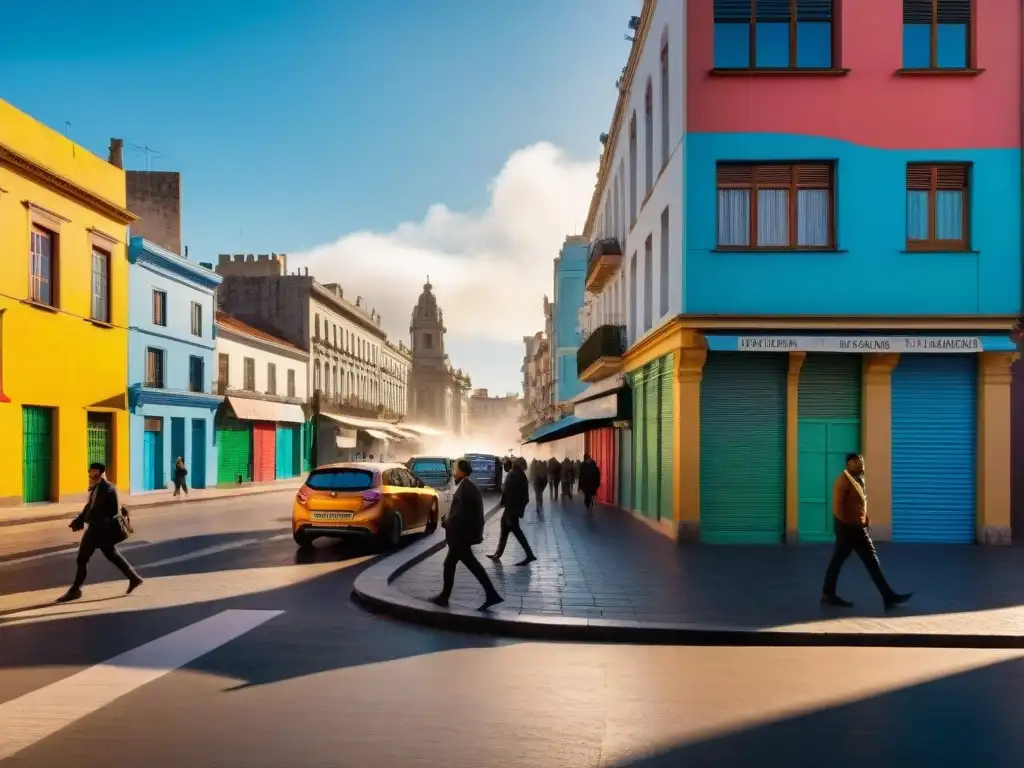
372 590
250 490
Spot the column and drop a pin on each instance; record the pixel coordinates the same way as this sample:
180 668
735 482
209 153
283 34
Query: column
689 367
876 440
796 362
993 454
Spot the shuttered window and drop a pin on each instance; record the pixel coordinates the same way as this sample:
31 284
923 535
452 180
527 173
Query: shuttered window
155 370
774 34
249 374
938 204
779 206
937 34
159 308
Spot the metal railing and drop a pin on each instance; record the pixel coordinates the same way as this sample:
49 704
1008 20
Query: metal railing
605 341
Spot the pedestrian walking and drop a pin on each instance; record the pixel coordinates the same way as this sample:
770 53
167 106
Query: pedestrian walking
464 527
568 476
180 477
850 512
106 526
590 481
514 498
539 478
576 465
554 476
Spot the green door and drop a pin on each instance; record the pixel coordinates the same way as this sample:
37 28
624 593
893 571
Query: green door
829 428
652 439
639 465
743 448
98 438
37 464
666 437
234 451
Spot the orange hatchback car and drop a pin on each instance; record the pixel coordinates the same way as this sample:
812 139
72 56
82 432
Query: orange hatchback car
378 502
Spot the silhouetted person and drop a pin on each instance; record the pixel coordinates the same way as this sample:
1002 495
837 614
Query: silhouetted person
590 481
514 498
568 476
99 519
180 475
554 476
850 512
539 478
464 527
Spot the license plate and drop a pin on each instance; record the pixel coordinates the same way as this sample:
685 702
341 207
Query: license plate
332 516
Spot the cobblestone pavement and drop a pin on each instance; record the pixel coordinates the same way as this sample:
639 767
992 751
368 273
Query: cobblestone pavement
612 566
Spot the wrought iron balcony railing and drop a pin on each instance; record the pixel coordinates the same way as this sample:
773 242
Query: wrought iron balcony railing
606 341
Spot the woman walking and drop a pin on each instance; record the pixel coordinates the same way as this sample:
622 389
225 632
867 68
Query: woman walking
180 475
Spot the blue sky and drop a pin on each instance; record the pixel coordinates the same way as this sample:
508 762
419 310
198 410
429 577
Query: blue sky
296 122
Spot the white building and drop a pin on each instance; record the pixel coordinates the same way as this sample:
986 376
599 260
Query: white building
634 277
395 375
252 362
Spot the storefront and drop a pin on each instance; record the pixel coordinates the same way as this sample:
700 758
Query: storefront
653 439
258 441
353 438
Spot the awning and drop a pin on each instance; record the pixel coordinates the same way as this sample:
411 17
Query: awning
378 435
265 410
419 429
567 427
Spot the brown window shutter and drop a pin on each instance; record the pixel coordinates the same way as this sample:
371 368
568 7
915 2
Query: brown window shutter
773 10
951 177
919 177
774 175
814 10
954 12
732 10
735 175
816 176
919 11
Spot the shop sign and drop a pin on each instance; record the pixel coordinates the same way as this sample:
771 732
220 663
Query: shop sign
862 344
606 407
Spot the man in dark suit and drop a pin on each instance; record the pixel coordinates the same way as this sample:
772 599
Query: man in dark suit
100 524
514 498
464 527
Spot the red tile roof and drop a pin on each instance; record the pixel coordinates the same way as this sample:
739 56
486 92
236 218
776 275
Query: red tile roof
234 324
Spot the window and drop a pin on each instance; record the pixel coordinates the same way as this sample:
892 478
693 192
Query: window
316 376
222 371
197 319
100 306
776 206
42 270
649 139
340 480
664 107
632 296
248 374
271 379
632 171
937 34
663 285
154 368
159 308
428 341
316 326
937 208
648 284
291 382
773 34
195 374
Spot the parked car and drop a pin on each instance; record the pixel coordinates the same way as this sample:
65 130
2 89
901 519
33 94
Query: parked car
380 502
486 471
436 472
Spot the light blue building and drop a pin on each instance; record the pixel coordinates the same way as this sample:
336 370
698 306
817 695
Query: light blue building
570 277
170 368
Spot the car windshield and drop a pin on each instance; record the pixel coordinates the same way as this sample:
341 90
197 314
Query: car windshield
430 471
346 479
481 464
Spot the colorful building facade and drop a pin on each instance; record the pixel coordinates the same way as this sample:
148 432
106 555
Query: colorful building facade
851 274
63 314
570 274
170 368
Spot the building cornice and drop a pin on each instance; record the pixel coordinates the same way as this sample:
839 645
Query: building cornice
321 294
140 395
146 253
34 171
227 332
608 156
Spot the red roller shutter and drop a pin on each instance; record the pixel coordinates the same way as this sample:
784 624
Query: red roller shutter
264 440
605 439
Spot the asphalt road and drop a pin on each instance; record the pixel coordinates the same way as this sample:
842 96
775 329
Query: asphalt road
237 652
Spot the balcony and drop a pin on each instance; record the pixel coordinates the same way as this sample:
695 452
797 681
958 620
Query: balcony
603 262
600 355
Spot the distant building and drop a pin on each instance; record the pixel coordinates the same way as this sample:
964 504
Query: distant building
570 273
485 410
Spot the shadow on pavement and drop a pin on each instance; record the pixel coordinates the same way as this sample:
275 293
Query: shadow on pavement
966 719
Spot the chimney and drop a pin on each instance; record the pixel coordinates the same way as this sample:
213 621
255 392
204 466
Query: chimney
116 156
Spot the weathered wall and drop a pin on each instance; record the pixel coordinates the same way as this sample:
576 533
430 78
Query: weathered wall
155 197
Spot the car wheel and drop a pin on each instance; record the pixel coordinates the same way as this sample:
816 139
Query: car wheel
432 520
304 541
393 537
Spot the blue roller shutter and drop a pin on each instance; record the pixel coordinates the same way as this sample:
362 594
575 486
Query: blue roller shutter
934 444
743 448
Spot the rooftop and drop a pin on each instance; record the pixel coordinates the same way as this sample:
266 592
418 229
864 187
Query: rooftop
225 320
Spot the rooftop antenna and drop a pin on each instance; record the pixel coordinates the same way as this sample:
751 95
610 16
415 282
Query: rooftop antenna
67 129
146 150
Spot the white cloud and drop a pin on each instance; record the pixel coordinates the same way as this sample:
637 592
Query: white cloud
489 269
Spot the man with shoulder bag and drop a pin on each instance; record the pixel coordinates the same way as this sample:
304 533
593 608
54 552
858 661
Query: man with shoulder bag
106 525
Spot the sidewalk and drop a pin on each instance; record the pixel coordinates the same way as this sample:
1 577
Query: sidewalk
610 577
46 512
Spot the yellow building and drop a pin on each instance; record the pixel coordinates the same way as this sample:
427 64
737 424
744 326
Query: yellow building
63 314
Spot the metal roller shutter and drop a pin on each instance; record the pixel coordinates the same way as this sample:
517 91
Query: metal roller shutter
264 446
625 484
934 444
652 439
743 448
829 427
37 461
639 482
666 436
234 452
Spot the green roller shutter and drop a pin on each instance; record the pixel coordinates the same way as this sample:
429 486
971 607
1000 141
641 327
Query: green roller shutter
639 474
625 438
37 459
666 439
652 430
234 451
743 448
829 408
98 439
